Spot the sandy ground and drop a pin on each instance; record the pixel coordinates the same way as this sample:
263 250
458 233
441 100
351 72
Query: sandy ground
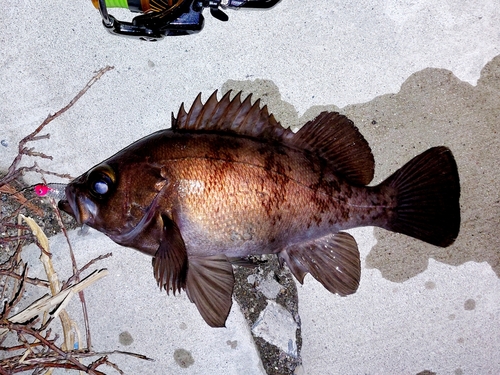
411 75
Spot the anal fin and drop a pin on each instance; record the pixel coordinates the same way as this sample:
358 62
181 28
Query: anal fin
209 286
333 260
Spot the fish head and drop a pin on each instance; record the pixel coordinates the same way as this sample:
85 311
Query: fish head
89 196
115 195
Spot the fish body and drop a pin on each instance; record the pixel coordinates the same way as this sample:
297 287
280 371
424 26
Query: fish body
227 181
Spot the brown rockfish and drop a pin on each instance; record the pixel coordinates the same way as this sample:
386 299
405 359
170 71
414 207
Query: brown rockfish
227 181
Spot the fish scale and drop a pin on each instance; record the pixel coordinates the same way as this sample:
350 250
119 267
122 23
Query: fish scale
228 196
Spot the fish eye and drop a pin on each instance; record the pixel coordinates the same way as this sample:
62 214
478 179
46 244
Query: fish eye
101 180
101 187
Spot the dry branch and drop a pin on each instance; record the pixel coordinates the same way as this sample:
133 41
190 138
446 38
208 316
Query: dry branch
37 347
14 170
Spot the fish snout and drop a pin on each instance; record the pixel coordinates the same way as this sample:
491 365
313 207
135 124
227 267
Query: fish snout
66 207
81 207
68 203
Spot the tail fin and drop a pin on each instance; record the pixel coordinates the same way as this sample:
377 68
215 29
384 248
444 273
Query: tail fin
428 192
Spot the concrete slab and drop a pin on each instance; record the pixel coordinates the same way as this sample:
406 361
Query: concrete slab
418 308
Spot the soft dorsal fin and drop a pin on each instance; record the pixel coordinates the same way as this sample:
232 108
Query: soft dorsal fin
330 136
334 137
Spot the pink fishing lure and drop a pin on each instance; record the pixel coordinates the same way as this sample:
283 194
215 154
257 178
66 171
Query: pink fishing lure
56 191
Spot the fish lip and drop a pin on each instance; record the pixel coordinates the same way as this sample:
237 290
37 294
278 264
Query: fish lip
68 204
80 207
64 205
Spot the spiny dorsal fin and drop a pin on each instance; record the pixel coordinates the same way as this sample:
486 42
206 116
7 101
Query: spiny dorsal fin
334 137
230 116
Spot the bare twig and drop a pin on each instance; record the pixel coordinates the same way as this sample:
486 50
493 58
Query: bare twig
14 171
29 280
37 349
76 274
50 344
8 189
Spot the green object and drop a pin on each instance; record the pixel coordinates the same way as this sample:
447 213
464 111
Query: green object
117 4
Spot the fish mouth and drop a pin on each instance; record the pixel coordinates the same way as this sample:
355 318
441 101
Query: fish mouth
80 207
64 205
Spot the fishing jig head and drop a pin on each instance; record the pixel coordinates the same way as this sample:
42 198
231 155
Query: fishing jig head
56 191
162 18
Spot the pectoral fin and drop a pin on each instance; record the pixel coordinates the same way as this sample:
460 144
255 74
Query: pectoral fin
170 263
209 286
332 260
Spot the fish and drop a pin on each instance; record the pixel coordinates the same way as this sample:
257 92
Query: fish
227 181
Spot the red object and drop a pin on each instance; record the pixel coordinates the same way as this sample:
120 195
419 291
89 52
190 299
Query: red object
41 190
